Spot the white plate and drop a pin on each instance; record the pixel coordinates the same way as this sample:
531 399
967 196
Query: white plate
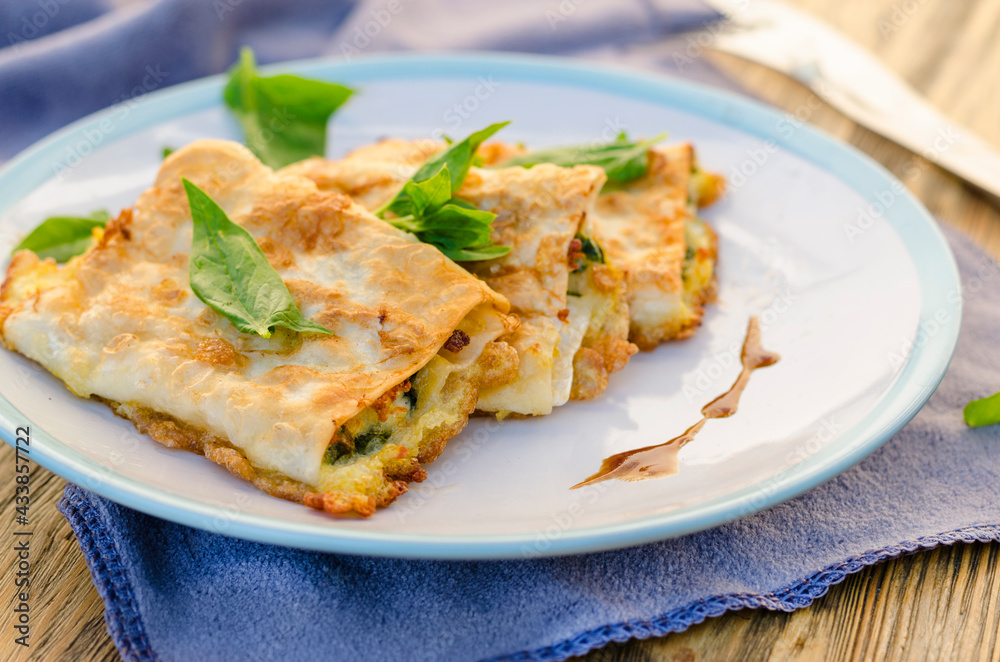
854 284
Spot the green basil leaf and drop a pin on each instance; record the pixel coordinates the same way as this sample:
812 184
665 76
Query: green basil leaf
451 226
983 412
63 237
591 249
167 151
284 117
452 215
476 253
623 161
431 193
230 273
458 158
426 208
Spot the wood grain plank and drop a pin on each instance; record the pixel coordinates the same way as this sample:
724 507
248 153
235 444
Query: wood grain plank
67 618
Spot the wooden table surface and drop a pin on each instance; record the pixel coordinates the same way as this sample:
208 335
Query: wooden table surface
937 605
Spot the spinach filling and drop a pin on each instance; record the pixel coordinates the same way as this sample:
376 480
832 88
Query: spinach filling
368 441
371 440
590 251
365 443
335 451
688 266
410 397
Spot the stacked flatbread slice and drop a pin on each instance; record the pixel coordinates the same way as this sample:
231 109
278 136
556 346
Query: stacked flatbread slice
574 318
649 229
340 422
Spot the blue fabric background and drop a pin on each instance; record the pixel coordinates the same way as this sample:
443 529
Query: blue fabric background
49 81
174 593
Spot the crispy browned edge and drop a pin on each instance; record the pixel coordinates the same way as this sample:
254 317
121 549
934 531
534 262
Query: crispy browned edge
708 293
492 366
606 349
588 362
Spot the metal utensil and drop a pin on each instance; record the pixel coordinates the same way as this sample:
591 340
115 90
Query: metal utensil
852 80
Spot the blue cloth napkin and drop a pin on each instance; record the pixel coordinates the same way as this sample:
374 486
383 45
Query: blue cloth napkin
175 593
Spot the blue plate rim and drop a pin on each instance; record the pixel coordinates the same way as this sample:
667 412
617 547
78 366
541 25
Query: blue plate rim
924 369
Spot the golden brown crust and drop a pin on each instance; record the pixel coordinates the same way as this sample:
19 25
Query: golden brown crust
642 228
117 229
174 434
495 365
121 322
221 354
539 213
648 224
361 174
707 187
590 377
495 152
700 291
605 348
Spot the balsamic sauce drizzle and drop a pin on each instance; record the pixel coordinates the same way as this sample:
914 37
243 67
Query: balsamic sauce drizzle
661 460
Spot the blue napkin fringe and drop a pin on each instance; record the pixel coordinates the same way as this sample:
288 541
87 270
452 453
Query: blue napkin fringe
797 595
121 613
126 628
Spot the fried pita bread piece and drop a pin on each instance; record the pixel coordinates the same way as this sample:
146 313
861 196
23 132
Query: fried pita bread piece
340 423
649 228
574 318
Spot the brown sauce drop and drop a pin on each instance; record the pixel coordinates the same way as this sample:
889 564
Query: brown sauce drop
661 459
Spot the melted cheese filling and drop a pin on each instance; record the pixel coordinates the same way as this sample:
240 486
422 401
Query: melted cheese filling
414 416
581 313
